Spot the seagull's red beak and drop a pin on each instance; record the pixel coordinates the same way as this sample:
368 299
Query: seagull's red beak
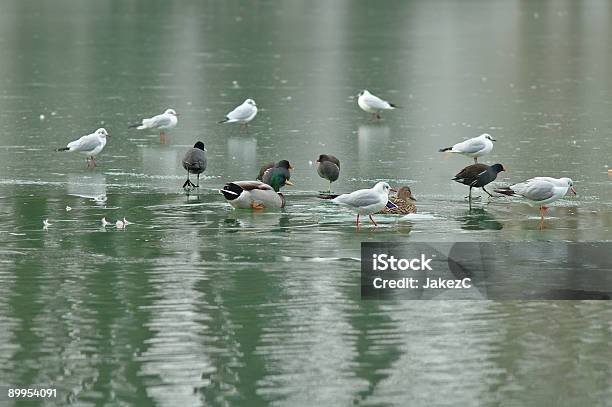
573 190
392 189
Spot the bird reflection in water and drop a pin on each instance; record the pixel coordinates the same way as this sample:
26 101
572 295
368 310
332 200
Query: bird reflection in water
479 219
265 220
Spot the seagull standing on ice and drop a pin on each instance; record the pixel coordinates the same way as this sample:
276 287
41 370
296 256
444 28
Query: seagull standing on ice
540 191
90 145
161 122
373 104
242 114
367 201
473 147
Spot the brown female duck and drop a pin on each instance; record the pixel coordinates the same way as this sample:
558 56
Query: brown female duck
404 202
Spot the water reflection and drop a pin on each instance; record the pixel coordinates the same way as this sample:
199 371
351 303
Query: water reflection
242 153
264 220
162 161
373 140
199 304
90 186
479 219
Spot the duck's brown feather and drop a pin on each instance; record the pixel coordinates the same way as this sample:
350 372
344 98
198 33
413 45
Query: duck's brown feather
263 169
251 185
404 207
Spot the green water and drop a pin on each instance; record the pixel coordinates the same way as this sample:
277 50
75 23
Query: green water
199 304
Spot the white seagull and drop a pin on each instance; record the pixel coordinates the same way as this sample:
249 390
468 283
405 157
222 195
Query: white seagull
473 147
161 122
367 201
540 191
373 104
46 224
242 114
90 145
104 222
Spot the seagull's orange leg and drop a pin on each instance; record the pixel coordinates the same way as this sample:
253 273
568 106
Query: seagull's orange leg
357 220
542 212
162 138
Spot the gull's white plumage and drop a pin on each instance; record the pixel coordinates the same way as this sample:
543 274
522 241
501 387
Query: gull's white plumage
161 122
164 121
373 104
540 191
474 147
366 201
90 145
242 114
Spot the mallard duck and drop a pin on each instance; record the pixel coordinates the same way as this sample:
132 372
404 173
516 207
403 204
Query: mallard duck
404 202
253 195
373 104
540 191
161 122
194 162
367 201
473 147
478 176
276 175
328 167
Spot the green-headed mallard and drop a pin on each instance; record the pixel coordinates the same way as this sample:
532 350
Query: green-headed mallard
276 175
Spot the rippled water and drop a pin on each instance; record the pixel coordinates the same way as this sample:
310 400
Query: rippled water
199 304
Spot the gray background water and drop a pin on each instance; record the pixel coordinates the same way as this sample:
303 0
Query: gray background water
198 304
